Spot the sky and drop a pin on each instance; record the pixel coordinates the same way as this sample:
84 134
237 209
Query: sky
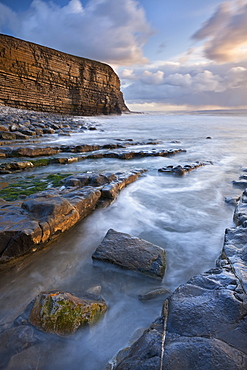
169 54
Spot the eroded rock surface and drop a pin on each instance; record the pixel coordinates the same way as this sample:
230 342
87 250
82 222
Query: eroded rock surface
131 253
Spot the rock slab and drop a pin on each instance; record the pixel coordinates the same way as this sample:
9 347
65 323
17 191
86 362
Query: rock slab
131 253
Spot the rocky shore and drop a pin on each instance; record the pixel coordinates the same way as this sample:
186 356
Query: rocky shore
202 323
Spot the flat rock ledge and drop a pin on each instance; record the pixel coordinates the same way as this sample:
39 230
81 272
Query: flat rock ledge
182 170
204 322
49 155
62 313
28 225
132 253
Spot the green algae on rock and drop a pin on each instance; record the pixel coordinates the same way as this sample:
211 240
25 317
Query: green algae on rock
30 185
62 313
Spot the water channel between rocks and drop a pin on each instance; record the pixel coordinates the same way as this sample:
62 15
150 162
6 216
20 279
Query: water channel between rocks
185 215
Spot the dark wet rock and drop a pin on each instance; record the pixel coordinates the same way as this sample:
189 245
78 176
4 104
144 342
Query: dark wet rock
154 293
232 200
62 313
181 170
28 132
131 253
18 232
205 320
240 214
145 353
15 340
240 183
202 353
21 136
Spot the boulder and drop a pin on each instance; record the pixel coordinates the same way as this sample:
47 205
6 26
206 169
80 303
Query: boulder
62 313
131 253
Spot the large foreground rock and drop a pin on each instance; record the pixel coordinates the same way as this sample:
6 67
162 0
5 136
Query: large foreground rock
62 313
204 322
132 253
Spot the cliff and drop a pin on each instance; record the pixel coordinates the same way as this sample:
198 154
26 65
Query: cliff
42 79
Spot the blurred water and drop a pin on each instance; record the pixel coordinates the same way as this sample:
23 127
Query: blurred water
184 215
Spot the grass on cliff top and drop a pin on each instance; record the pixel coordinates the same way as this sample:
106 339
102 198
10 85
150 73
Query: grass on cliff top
30 185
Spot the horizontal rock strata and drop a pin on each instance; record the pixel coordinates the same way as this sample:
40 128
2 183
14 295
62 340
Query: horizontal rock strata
39 78
131 253
204 322
181 170
37 151
26 225
98 152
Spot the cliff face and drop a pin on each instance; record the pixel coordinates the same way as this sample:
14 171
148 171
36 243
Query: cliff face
42 79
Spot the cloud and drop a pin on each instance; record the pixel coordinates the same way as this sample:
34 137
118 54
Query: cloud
151 78
8 18
106 30
225 33
196 84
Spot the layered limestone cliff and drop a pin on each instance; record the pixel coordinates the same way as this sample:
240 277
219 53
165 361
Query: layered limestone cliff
42 79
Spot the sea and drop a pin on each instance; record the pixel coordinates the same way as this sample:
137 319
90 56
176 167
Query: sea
186 215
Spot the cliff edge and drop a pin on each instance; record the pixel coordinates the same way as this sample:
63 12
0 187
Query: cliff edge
43 79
